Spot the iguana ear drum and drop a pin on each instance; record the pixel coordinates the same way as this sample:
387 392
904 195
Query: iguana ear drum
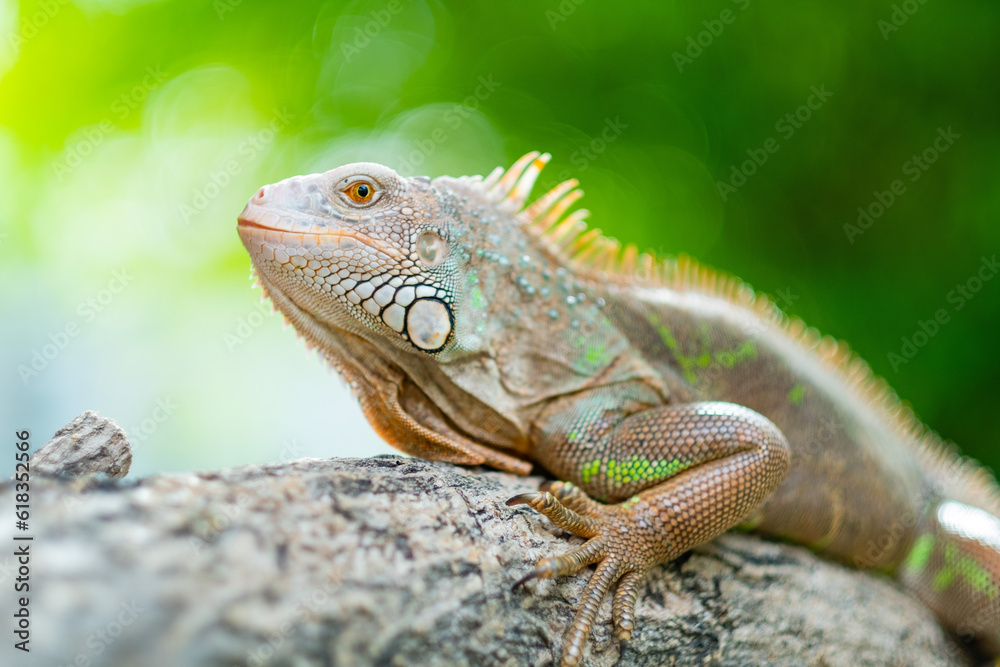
428 324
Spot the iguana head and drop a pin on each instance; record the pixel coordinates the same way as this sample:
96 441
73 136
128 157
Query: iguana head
358 246
445 301
411 261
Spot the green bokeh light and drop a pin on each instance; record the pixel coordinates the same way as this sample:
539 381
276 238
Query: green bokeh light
132 133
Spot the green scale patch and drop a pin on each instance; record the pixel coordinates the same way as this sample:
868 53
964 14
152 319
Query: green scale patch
632 469
957 566
704 359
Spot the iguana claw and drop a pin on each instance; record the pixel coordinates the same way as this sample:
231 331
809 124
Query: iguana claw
615 544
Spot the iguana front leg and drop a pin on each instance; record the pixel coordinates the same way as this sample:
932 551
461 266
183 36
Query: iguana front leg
689 473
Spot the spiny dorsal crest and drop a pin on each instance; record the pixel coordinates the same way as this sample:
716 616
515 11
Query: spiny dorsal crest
591 255
587 251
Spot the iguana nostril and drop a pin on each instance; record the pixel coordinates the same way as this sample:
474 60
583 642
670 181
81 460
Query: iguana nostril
260 196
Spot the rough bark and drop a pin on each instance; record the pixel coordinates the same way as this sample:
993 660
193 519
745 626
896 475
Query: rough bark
397 561
88 444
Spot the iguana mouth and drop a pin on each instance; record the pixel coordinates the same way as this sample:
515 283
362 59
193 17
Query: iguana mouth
245 225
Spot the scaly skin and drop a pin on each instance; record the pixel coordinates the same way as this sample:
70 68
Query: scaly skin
674 402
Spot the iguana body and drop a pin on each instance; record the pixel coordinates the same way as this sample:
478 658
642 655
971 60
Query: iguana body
477 331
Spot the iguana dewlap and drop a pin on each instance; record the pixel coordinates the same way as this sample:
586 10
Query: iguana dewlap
674 401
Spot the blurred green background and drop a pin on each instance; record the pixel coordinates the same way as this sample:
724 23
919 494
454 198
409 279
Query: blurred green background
133 132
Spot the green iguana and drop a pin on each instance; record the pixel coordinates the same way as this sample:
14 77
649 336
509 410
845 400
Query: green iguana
673 401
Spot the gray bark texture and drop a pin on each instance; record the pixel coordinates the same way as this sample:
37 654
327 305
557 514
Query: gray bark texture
88 444
397 561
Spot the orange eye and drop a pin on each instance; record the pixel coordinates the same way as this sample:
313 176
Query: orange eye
360 192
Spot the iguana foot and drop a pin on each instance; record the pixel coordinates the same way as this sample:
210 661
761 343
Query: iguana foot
620 541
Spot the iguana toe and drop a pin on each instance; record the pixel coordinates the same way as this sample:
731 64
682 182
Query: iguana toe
623 611
573 497
558 513
618 544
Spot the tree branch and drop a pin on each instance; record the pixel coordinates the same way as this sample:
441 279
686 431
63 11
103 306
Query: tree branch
396 561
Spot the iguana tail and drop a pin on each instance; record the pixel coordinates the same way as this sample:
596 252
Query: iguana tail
954 568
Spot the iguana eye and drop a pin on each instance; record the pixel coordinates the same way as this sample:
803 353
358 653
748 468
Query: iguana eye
360 192
431 248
